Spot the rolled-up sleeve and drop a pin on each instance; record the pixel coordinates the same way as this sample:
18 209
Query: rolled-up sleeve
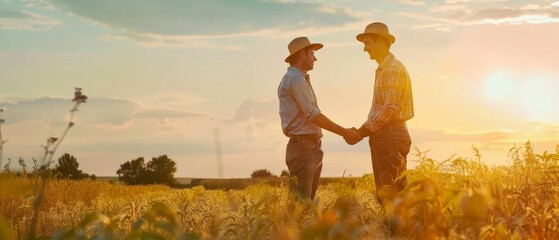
304 98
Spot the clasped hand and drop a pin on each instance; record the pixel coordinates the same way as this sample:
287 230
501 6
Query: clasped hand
352 136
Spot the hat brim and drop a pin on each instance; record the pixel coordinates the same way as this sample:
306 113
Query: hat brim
315 46
389 37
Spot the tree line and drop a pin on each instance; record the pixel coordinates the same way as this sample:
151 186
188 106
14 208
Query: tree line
67 168
159 170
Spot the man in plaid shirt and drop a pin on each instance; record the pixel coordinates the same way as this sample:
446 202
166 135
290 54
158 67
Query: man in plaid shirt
392 106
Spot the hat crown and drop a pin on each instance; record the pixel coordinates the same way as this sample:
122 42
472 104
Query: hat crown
376 28
298 44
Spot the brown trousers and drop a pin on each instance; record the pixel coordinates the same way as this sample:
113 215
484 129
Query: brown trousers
389 149
304 160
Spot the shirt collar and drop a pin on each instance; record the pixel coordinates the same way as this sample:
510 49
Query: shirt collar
294 69
387 61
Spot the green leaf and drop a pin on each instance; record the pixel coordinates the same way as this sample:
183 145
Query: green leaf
90 218
169 228
189 236
137 224
5 231
166 212
474 206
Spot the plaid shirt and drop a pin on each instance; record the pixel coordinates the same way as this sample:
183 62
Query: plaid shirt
392 96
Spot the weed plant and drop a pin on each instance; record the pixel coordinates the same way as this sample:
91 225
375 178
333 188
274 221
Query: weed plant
457 198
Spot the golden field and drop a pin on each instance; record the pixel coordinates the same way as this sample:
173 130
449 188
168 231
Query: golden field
456 198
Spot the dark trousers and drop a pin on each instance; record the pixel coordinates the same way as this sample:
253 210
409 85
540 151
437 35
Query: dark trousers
389 149
304 160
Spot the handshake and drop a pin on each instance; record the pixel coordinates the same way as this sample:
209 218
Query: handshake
352 136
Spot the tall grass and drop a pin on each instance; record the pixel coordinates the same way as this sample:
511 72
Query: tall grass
50 148
2 141
40 184
457 198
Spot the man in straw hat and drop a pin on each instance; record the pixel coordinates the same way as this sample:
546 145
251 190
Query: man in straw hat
392 106
302 121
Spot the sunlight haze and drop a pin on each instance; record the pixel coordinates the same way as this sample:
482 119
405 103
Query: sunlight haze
164 77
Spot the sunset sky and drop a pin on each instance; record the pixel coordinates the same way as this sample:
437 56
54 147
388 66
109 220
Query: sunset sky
174 77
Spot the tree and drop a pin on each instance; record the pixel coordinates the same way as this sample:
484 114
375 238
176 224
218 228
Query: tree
133 172
261 173
284 173
162 170
67 168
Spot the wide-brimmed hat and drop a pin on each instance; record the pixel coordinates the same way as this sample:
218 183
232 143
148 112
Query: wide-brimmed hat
379 29
299 44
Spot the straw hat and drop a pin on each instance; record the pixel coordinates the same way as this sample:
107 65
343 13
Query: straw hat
298 44
377 28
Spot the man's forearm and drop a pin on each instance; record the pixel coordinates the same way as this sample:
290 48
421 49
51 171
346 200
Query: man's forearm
364 131
325 123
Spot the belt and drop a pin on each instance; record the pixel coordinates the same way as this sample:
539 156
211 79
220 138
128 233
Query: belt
312 137
398 123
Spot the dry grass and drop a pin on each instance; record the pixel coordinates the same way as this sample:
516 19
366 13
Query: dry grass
458 198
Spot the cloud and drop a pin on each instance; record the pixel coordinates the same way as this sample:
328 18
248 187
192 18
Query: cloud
531 7
54 111
47 109
25 20
436 26
97 111
37 4
255 122
251 109
449 8
211 17
165 113
474 1
202 24
173 101
411 2
420 135
109 111
495 139
485 14
155 41
148 147
455 15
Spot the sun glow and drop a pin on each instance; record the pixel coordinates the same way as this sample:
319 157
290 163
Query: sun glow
539 99
499 86
532 95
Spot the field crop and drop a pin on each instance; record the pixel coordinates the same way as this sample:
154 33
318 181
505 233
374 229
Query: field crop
456 198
